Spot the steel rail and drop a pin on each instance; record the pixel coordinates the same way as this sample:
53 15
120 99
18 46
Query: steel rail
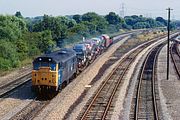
155 111
175 57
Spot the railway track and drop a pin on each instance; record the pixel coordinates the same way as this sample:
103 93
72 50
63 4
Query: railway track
178 50
175 55
11 86
145 104
31 110
101 105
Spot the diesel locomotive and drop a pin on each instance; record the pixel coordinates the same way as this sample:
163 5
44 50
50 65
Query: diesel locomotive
51 72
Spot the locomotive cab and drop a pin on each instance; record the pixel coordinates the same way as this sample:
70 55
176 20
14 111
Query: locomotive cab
44 74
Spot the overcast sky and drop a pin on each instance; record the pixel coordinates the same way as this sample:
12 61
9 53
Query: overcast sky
32 8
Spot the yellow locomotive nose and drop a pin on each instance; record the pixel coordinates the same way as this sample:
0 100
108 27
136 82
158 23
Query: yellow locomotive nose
44 77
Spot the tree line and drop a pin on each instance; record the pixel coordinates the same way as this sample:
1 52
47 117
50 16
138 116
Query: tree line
24 38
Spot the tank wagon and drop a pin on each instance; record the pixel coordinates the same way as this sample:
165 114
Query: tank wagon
51 72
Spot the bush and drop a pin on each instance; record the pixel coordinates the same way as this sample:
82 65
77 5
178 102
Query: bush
5 64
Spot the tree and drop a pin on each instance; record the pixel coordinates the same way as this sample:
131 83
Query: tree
112 18
161 20
18 14
77 18
90 17
22 49
33 41
11 27
101 25
141 22
8 55
151 22
79 29
46 43
129 20
91 27
141 25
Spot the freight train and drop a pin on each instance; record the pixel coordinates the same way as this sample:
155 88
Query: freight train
52 72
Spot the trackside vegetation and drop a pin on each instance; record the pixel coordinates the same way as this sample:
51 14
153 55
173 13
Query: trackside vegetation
25 38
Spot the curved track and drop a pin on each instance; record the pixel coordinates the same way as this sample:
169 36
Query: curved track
145 104
101 105
175 55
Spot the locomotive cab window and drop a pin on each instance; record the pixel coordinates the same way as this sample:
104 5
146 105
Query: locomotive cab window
36 66
53 66
45 64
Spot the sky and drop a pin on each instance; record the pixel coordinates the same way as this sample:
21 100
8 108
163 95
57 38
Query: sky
147 8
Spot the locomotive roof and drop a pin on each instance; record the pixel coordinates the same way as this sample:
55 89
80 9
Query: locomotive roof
57 56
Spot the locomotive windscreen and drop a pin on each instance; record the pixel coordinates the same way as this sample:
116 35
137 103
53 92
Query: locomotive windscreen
37 65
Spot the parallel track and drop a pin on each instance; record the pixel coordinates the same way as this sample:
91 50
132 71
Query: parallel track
145 104
175 55
101 105
31 110
11 86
